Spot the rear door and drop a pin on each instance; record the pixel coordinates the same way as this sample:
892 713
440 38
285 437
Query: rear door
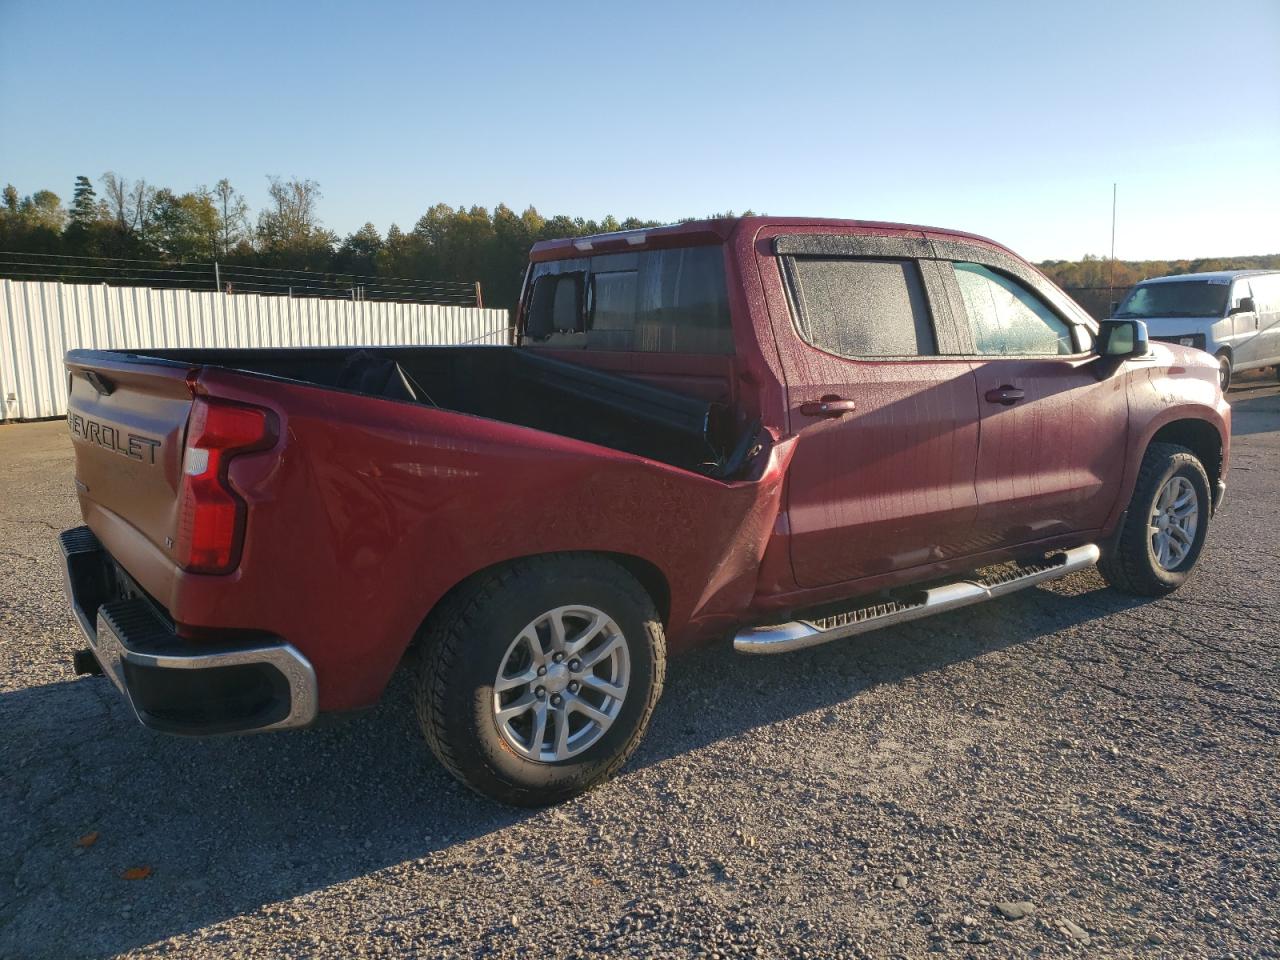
882 478
1053 434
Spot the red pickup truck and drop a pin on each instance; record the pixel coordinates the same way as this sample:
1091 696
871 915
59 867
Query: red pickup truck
786 431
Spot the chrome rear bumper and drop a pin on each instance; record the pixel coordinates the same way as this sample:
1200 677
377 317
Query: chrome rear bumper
173 684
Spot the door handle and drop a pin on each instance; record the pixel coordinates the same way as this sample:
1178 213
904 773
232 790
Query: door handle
1006 395
828 406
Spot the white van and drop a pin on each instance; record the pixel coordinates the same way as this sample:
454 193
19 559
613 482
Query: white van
1234 314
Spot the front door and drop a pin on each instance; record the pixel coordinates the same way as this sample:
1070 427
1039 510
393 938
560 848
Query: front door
1245 325
1053 434
882 478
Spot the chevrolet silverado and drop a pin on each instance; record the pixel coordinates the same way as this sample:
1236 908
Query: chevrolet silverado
785 431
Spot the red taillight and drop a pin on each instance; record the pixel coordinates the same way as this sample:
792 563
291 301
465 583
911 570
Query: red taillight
211 515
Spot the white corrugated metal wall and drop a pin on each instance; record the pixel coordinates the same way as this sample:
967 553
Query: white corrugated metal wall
39 322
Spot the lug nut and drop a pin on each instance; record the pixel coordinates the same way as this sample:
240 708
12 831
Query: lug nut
542 671
574 687
556 700
557 657
575 665
540 692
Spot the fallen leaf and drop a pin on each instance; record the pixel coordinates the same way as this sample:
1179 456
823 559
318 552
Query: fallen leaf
136 873
88 840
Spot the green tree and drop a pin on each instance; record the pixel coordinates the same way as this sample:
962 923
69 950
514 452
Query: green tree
185 227
43 209
289 230
359 252
84 203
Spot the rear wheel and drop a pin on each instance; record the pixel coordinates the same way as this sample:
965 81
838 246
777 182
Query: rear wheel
537 679
1164 529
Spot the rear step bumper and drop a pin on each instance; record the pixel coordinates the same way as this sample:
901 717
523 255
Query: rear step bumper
798 634
172 684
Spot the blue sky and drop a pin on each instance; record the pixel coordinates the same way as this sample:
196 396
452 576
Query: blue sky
1007 119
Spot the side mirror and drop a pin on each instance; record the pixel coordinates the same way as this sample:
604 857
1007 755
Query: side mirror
556 305
1245 305
1114 306
1122 339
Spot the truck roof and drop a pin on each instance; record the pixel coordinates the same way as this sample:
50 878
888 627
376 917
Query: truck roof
1208 275
719 229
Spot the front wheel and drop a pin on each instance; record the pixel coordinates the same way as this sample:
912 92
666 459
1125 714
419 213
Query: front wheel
1163 532
537 680
1224 370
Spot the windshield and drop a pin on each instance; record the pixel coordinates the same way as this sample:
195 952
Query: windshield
1183 298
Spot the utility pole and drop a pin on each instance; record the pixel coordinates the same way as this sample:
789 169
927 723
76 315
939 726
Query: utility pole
1111 284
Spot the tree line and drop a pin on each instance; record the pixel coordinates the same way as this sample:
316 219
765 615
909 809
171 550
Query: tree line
138 221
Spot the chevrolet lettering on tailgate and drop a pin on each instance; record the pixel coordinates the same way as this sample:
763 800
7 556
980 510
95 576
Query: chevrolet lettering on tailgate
131 445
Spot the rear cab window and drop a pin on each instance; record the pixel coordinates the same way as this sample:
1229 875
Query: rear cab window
671 300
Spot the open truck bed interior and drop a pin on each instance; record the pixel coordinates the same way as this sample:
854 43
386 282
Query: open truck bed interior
513 385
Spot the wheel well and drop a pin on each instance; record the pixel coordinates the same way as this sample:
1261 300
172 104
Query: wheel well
1226 352
649 577
646 574
1201 438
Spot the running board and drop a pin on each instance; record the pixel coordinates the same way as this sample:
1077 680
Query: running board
798 634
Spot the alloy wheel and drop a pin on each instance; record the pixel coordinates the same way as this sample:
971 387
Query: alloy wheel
1174 518
561 683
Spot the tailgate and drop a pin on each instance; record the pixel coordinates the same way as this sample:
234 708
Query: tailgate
127 416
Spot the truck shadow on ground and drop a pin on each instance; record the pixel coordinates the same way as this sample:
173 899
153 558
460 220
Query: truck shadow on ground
230 825
1254 409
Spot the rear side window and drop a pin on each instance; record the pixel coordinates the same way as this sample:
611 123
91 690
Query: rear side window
862 307
1006 319
654 301
1266 292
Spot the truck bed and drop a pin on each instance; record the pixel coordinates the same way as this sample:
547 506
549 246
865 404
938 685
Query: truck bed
508 384
386 477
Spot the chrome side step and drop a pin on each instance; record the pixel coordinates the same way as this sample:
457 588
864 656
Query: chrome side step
798 634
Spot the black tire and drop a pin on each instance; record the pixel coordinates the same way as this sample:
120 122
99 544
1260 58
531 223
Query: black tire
466 641
1130 564
1224 370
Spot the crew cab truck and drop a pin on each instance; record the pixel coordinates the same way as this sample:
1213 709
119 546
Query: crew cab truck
786 431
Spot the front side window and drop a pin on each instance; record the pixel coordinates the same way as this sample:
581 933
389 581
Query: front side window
1238 293
862 307
664 301
1006 319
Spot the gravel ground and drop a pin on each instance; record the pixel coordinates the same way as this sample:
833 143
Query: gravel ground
1105 766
